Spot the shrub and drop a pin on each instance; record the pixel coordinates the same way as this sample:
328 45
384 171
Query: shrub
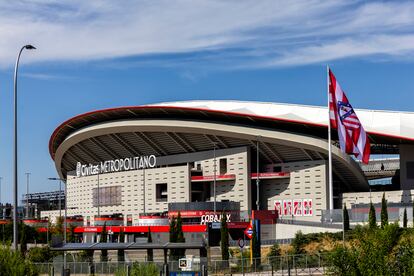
386 251
13 263
140 269
299 242
40 254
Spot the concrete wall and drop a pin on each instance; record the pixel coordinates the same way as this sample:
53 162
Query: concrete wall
234 190
138 187
307 181
400 196
406 155
288 231
138 191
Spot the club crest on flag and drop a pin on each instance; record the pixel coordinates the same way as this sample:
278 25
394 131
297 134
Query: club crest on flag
342 117
347 115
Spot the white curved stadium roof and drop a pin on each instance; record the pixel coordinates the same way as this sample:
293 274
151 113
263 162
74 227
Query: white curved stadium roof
391 123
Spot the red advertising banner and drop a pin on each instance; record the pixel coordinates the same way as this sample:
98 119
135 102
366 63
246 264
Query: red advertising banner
297 207
287 207
307 207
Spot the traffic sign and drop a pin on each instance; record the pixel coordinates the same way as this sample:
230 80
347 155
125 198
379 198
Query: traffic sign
240 242
249 231
184 263
215 225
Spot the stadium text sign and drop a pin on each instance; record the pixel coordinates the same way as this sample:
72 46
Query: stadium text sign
214 218
116 165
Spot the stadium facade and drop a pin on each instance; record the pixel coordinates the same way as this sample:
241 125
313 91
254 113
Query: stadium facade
138 165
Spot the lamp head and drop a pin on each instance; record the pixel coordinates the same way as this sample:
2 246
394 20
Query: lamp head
30 47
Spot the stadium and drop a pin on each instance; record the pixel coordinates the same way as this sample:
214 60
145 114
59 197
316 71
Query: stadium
136 166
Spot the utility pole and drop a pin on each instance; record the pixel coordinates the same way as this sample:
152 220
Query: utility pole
99 200
27 194
214 179
257 178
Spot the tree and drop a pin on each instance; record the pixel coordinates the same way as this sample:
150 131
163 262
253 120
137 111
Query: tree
41 254
224 242
372 219
150 252
58 228
346 218
173 236
255 244
71 236
173 232
23 238
384 212
273 254
405 218
104 238
13 263
121 239
180 235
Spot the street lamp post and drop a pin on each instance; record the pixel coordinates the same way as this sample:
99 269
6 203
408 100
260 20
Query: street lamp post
27 194
214 179
1 178
15 191
257 178
1 205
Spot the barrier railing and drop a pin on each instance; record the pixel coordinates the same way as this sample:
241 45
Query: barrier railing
281 265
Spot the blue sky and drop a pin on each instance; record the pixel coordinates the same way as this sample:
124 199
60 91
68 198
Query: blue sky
99 54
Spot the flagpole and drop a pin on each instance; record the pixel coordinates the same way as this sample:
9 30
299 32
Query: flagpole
331 207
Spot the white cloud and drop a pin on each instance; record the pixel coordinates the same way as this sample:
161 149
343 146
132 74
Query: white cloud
262 33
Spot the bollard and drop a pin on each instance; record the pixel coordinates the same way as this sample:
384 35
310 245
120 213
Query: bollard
91 269
66 272
128 270
165 269
203 270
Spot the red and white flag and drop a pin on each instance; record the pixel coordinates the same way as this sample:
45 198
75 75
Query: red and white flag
352 136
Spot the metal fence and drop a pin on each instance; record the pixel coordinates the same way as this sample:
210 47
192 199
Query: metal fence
282 265
360 213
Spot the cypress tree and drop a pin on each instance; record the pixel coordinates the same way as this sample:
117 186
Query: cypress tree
346 219
150 252
104 238
255 243
23 238
121 239
173 233
372 219
180 235
405 220
384 212
224 242
173 237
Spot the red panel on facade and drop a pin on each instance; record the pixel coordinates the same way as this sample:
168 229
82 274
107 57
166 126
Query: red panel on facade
211 177
265 216
270 175
140 229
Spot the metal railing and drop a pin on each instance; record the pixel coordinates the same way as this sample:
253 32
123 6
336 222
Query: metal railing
281 265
